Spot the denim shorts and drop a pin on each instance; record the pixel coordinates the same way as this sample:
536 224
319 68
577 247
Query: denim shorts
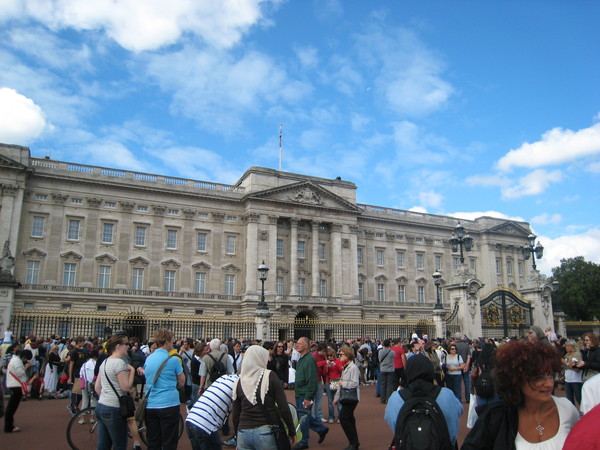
261 438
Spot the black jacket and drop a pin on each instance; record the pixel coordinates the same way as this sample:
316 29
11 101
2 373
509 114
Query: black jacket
496 428
592 358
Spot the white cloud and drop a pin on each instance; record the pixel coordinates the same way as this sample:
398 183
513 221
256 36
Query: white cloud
430 199
418 209
217 90
586 244
405 72
546 219
308 57
555 147
21 120
533 183
146 25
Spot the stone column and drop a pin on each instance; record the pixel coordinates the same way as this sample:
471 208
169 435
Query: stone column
272 253
537 291
315 258
252 258
294 256
561 318
352 281
440 323
465 290
336 259
262 319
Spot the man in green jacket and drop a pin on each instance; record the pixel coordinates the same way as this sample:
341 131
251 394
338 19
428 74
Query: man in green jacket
306 389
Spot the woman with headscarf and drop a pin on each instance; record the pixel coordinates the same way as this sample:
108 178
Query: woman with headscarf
258 403
52 370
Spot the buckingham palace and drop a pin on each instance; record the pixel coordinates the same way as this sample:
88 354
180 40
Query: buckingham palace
96 249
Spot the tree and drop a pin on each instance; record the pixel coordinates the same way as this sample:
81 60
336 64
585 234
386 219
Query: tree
578 288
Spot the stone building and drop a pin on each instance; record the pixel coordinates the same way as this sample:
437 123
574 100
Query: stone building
102 248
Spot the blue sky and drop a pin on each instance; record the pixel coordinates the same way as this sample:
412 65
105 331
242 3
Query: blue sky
457 108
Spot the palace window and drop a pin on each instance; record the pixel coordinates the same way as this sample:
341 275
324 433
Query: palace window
37 227
279 286
473 264
400 260
498 266
381 292
323 288
69 273
137 279
280 248
140 236
421 294
420 261
104 276
229 284
230 246
380 257
73 229
401 293
361 290
200 282
301 251
321 251
301 286
359 255
438 262
509 267
171 239
169 280
201 245
107 233
33 272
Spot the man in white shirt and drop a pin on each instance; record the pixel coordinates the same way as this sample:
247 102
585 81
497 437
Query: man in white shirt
590 394
238 356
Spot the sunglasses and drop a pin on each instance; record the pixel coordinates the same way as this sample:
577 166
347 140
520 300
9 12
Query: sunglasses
280 346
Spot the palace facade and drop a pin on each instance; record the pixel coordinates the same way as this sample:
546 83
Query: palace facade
102 248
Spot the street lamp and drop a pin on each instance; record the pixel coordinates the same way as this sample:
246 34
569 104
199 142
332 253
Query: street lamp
437 279
460 239
263 269
533 250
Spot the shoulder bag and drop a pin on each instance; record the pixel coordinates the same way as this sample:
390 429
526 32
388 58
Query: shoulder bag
126 403
140 412
25 387
348 396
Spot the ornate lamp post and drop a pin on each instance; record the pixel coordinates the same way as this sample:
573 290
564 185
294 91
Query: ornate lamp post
532 250
460 239
437 279
263 269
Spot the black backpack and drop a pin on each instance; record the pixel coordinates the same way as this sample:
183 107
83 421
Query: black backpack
421 423
484 384
218 369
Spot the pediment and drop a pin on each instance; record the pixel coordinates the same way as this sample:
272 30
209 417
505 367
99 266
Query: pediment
7 163
139 260
71 255
381 278
36 252
201 265
402 280
510 228
171 263
305 193
106 258
230 267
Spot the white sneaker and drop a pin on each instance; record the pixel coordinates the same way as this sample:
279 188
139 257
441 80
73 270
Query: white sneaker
324 420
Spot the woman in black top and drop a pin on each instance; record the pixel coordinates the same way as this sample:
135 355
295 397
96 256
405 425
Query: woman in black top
281 364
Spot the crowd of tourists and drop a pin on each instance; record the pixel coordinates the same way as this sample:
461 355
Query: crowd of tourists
234 390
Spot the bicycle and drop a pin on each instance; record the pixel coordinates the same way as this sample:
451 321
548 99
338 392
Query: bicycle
82 435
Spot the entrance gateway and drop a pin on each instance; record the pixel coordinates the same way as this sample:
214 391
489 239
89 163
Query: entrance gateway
504 314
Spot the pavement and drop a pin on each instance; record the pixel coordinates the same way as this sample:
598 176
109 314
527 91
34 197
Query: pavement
44 423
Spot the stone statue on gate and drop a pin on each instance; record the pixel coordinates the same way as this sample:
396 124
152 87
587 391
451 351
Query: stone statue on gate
7 262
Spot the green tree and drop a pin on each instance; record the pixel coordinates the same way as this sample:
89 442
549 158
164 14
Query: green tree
578 288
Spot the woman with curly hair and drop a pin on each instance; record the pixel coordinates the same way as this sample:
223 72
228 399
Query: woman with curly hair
528 416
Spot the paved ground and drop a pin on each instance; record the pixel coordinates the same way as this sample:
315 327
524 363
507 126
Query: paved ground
44 426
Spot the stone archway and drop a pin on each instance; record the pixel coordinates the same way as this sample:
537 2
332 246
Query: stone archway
304 325
136 325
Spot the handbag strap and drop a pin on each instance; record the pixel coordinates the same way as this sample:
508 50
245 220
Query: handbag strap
164 363
108 379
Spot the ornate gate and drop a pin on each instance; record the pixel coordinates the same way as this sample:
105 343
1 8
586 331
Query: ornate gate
504 314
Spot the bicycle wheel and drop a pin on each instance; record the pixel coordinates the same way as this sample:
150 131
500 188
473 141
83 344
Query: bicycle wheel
142 430
81 430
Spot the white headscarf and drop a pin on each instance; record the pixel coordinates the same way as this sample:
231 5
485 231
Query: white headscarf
254 370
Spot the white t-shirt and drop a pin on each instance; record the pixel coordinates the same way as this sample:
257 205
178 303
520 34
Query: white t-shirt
7 337
567 417
452 363
590 394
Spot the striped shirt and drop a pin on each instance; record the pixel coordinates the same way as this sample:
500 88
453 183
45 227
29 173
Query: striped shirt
210 411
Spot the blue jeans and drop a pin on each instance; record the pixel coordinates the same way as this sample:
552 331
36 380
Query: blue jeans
453 382
112 428
318 405
261 438
378 383
466 378
311 423
201 440
330 396
573 391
